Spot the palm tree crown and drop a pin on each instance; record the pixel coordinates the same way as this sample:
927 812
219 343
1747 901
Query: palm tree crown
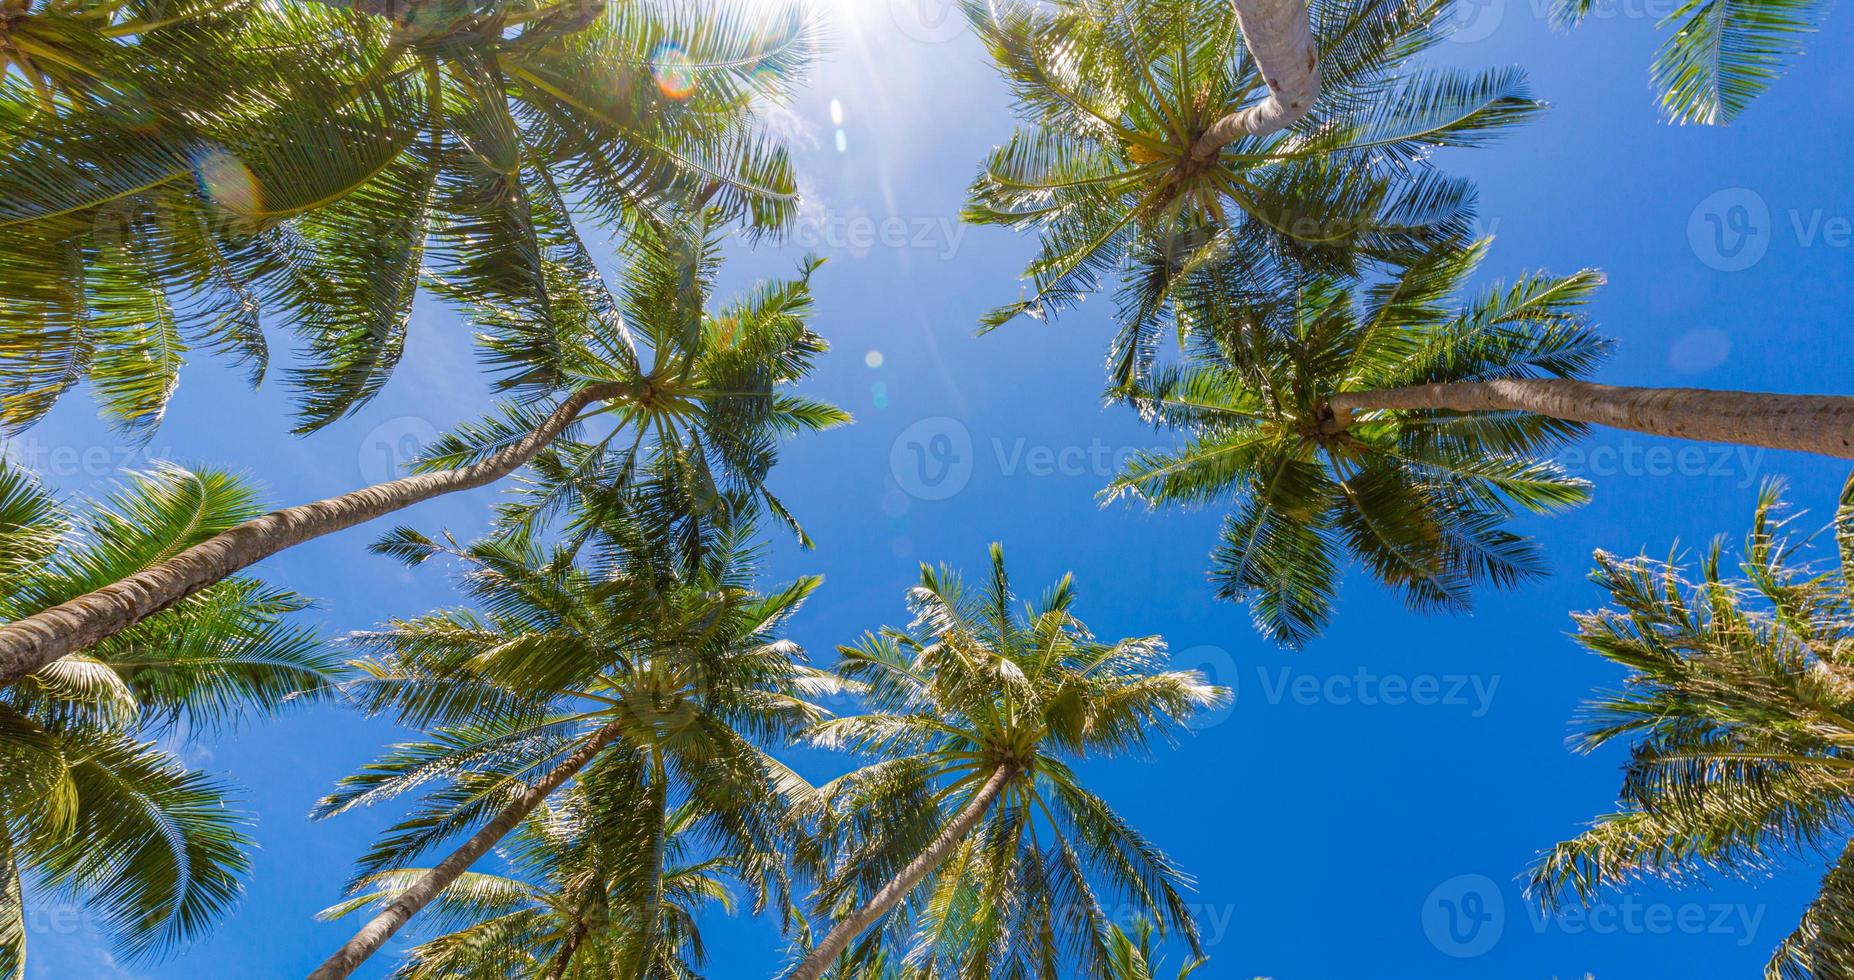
90 808
1419 497
569 907
705 396
318 164
976 691
1107 170
666 390
1739 711
649 670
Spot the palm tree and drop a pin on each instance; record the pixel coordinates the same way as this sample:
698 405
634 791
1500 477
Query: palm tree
1721 55
972 841
1114 173
570 907
665 373
316 164
1405 425
1135 957
639 671
1739 711
90 807
67 56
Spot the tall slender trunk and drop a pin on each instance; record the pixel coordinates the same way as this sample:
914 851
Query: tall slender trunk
840 937
653 896
12 910
376 932
563 959
1807 423
29 644
1279 34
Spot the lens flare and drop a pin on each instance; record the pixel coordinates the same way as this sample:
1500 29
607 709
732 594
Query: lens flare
673 70
228 183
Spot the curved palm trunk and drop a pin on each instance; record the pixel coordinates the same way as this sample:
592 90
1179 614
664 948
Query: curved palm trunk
1807 423
29 644
833 945
1279 34
376 932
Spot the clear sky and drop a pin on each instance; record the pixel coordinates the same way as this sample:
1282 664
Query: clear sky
1331 832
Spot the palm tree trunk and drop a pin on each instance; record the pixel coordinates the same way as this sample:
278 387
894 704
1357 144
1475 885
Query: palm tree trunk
653 896
1807 423
375 933
12 911
564 958
29 644
892 893
1279 34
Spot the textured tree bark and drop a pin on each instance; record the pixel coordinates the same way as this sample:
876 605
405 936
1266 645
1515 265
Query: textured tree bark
376 932
30 643
12 910
1821 424
840 937
1279 34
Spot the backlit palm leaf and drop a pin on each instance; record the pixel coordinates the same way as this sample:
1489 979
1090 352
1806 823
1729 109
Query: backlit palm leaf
1419 499
1114 97
303 159
91 810
1736 713
979 682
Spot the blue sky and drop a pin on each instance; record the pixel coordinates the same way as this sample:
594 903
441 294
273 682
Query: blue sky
1331 831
